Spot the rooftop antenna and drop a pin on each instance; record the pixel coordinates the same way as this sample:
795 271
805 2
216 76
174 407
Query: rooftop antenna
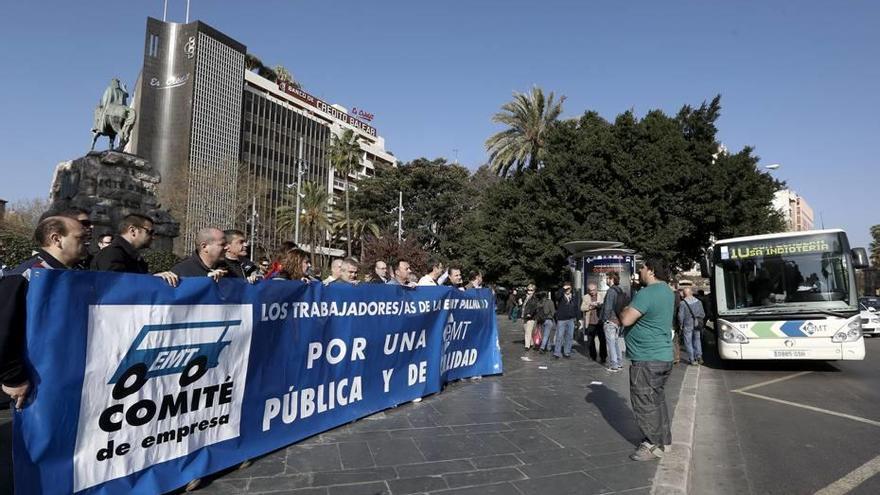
165 11
187 11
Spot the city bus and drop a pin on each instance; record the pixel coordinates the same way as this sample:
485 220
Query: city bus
787 296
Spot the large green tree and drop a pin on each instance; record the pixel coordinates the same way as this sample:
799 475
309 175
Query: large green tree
658 184
345 151
528 118
435 196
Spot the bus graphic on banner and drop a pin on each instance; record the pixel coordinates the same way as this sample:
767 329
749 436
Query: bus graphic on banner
190 349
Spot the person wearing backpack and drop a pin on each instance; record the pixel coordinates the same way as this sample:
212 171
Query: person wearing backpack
691 318
615 300
545 319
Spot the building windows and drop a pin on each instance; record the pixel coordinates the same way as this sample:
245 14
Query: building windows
153 46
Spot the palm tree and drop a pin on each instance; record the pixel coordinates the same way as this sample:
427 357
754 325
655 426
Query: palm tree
314 215
529 116
345 153
359 228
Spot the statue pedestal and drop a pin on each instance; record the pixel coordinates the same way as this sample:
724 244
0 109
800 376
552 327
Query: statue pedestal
111 185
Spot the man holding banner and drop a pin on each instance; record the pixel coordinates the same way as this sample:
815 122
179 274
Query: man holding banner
61 247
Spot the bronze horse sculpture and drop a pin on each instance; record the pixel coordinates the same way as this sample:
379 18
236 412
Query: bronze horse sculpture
113 116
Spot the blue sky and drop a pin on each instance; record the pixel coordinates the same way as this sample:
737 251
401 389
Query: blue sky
798 79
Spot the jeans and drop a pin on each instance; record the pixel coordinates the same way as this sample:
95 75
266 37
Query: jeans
615 360
528 328
593 332
693 342
547 329
564 335
647 382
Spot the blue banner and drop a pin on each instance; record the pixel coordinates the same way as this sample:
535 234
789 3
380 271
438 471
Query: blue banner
140 387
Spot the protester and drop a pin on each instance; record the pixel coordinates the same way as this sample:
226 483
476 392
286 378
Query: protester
676 330
545 318
335 271
691 318
648 345
61 241
455 279
380 273
513 303
83 217
104 241
122 255
475 280
264 267
294 264
402 272
529 312
435 267
611 322
235 260
349 272
567 311
210 246
594 331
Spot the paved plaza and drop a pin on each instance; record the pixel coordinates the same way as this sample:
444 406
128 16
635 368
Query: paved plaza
546 426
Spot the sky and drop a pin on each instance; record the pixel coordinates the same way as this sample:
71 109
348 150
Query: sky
798 79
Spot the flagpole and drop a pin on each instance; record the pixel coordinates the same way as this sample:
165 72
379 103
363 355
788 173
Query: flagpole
187 11
165 11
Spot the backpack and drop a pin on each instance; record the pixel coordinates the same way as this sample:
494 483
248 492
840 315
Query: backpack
621 301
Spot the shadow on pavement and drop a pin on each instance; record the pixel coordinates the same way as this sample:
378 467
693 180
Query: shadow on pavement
615 410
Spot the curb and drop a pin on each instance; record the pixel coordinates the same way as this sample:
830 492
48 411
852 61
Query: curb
673 473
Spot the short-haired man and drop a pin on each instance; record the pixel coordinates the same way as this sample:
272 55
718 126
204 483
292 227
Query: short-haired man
235 260
122 255
611 321
648 338
210 246
568 307
380 273
104 241
82 216
691 317
454 277
349 272
435 267
61 247
335 271
402 272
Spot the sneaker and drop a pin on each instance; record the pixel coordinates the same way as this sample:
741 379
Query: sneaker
417 400
614 369
647 452
699 360
192 485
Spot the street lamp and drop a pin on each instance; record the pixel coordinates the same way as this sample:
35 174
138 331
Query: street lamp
300 170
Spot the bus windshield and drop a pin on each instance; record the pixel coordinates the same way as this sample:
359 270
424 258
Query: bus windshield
784 274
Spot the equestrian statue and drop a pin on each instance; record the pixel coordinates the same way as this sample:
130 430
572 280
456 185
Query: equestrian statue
113 116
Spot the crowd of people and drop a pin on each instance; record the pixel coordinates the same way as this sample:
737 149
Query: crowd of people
651 320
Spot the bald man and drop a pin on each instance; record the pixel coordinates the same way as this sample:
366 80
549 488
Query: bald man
62 246
210 246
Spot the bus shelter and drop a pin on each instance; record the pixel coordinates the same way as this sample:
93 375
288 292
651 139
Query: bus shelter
590 261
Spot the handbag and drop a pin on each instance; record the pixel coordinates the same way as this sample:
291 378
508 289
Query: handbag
536 336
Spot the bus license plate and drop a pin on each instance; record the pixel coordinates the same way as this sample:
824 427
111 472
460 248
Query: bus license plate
789 354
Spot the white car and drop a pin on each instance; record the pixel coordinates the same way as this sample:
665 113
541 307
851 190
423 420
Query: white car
870 313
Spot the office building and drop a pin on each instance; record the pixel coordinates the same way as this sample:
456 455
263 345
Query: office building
230 143
795 210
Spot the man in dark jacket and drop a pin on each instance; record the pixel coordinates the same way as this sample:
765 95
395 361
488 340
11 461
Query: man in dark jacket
210 246
61 241
235 260
568 309
122 255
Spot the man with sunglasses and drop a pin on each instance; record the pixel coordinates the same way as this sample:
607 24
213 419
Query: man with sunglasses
122 255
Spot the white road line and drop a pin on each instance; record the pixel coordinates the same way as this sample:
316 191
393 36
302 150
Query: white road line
853 479
811 408
769 382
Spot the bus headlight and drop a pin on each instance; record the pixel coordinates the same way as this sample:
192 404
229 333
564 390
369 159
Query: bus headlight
731 335
851 333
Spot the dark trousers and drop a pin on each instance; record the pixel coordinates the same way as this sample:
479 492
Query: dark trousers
594 332
647 382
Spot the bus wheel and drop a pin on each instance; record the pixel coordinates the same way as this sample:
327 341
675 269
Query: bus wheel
194 370
130 382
